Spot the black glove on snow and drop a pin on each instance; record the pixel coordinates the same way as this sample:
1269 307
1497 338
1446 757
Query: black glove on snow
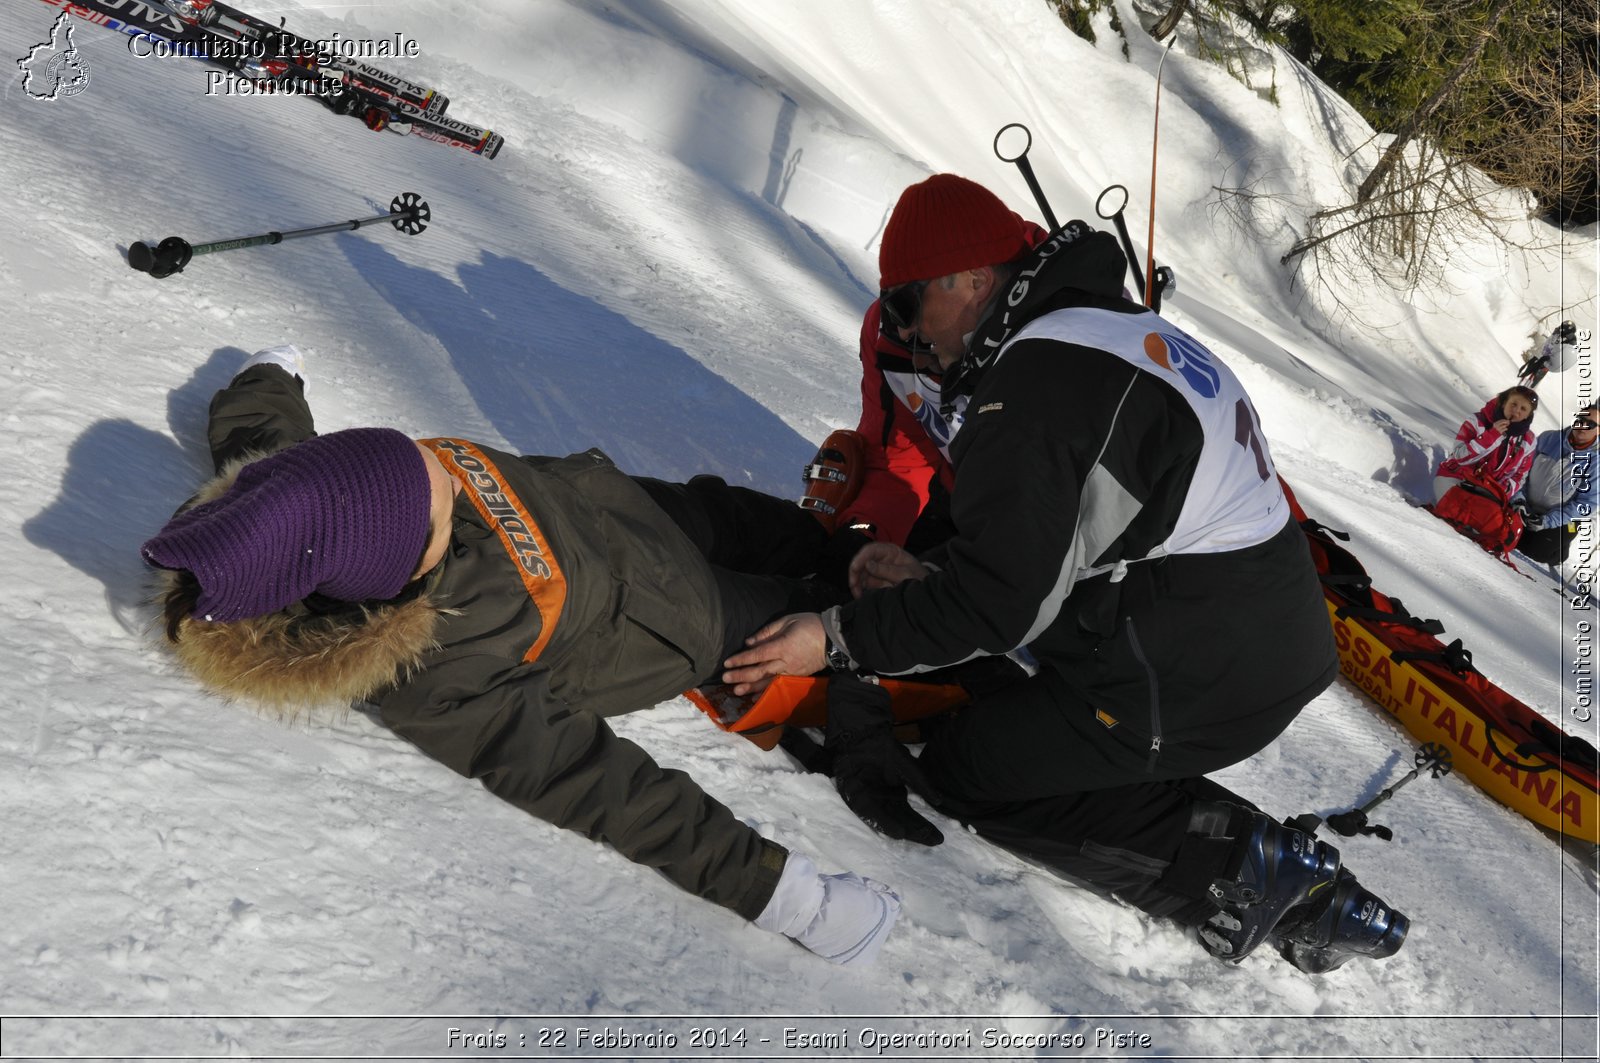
870 769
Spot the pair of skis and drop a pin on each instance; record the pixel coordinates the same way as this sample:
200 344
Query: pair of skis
275 59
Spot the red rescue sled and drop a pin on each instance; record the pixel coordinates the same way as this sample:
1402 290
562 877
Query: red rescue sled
1504 746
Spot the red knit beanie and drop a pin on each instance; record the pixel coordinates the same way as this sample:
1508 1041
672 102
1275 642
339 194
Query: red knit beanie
944 225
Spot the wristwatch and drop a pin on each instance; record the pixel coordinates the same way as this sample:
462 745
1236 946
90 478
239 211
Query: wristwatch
838 659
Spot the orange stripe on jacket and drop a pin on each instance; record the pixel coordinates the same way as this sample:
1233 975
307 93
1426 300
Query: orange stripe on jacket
519 534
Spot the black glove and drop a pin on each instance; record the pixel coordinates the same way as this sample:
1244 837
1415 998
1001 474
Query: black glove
870 769
1567 333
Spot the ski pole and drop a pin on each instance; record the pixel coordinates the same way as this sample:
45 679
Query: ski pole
1432 758
1115 218
408 212
1152 297
1021 160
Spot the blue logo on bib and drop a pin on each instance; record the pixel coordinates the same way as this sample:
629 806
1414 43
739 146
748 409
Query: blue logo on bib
1194 363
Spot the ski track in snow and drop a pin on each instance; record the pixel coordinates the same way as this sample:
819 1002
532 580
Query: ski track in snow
668 261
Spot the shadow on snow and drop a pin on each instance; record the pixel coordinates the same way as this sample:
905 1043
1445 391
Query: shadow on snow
555 372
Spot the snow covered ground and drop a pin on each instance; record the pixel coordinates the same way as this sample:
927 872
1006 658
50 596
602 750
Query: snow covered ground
669 260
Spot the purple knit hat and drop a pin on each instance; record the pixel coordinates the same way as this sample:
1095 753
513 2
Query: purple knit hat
345 515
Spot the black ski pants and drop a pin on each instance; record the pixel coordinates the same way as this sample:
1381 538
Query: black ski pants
1031 768
760 548
1548 547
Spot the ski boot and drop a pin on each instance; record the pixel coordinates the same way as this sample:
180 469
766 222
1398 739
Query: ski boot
1279 868
190 11
1354 922
833 479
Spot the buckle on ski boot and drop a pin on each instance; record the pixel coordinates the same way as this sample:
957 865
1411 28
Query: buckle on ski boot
833 478
190 11
1280 868
1354 922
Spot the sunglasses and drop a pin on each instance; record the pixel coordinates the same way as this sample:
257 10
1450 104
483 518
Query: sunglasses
900 306
1584 423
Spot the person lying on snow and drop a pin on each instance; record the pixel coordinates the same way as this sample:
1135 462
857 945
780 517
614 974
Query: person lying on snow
1494 444
1118 518
1561 491
495 609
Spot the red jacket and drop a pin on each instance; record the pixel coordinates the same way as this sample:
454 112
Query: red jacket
1481 449
906 438
901 457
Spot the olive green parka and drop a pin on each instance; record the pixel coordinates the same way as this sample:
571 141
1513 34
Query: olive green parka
566 596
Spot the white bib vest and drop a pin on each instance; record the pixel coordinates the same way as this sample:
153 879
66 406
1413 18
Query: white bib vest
917 393
1234 500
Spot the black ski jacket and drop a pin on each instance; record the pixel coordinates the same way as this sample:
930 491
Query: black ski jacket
1118 519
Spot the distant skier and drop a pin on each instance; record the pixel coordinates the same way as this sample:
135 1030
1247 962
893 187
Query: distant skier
1117 519
496 608
1555 354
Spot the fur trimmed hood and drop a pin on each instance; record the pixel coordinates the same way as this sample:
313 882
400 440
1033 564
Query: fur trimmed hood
296 660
